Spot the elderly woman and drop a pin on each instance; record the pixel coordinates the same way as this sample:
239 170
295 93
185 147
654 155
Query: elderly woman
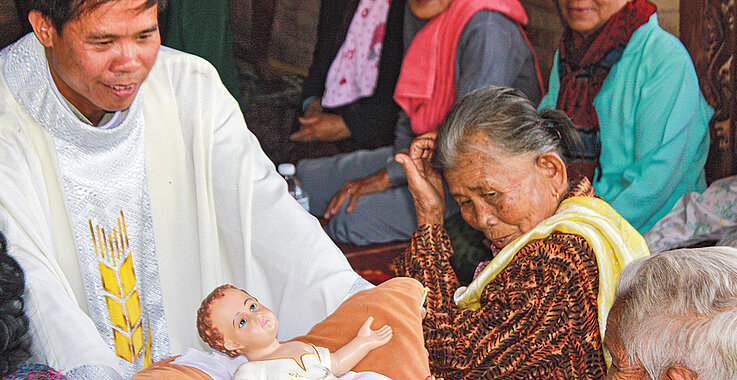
538 309
632 92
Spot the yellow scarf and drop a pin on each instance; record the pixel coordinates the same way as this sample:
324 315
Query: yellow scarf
614 241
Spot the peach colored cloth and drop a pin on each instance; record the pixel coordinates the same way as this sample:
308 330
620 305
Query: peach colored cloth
396 303
164 369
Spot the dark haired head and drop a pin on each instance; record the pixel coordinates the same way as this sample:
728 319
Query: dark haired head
60 12
15 343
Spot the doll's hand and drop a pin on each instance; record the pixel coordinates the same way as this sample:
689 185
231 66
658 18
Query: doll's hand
374 338
366 340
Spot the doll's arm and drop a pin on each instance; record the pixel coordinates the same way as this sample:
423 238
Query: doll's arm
366 340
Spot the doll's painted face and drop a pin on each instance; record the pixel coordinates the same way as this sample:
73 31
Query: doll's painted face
246 324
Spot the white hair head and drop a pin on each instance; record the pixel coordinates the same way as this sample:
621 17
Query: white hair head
680 307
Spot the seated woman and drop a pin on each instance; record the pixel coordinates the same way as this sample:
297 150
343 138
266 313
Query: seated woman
538 309
337 102
632 92
364 193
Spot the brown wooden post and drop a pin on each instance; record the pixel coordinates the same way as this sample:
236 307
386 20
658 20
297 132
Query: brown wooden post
708 31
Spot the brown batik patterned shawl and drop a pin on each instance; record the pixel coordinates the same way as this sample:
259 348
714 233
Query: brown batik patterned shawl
538 318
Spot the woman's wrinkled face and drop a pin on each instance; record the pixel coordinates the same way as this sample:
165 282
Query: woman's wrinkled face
588 16
427 9
502 195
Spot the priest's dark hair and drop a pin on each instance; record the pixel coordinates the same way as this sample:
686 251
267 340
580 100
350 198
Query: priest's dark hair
60 12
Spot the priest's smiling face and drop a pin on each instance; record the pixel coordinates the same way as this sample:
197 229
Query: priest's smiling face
99 59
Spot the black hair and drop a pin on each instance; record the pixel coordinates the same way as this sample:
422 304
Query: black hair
15 342
60 12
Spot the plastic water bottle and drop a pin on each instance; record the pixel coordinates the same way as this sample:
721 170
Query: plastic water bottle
294 186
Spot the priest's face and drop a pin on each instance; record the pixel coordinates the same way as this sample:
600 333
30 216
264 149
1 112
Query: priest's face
99 60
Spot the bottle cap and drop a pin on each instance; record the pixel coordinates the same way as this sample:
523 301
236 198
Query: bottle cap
286 169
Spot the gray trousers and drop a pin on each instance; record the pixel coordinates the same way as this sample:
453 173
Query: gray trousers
376 218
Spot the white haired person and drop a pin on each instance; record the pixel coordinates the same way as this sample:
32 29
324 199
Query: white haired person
675 316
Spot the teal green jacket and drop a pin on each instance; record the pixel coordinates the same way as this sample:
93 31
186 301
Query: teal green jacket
653 126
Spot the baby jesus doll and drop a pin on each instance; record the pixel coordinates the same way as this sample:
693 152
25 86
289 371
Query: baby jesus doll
233 322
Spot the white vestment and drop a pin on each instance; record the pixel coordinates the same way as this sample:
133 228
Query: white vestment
211 210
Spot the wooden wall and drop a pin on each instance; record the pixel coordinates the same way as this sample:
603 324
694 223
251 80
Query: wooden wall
708 31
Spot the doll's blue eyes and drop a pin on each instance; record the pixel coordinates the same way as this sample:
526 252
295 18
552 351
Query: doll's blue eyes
242 322
252 308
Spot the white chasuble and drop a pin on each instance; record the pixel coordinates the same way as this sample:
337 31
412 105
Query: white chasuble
104 180
108 224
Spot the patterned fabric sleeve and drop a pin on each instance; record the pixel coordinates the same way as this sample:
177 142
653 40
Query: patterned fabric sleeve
538 317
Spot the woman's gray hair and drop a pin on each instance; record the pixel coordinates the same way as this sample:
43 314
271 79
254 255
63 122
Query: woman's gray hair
508 119
680 307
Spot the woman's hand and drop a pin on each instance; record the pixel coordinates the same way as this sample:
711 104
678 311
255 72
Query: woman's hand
374 183
319 126
424 181
311 111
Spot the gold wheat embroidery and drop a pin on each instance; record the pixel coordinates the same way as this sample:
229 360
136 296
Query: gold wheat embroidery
121 292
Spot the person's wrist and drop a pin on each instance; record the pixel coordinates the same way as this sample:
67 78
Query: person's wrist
429 217
309 103
384 181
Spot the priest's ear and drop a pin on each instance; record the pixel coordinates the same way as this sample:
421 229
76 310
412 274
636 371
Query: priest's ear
42 28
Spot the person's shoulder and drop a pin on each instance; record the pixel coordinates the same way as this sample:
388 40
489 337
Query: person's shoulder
657 43
184 73
177 63
9 122
560 249
488 21
177 58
